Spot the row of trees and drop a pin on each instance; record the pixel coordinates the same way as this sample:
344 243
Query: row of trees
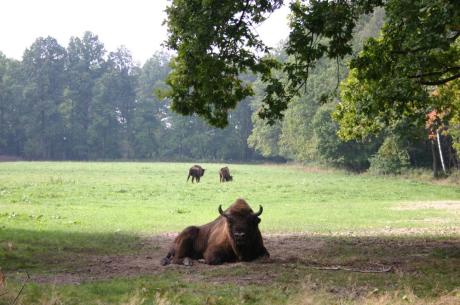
399 101
309 132
84 103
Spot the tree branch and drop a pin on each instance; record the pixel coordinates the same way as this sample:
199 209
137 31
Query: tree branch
22 288
435 72
453 38
409 51
336 268
243 13
440 81
420 49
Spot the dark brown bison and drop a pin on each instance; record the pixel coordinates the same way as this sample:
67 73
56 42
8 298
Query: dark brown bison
224 174
233 236
196 172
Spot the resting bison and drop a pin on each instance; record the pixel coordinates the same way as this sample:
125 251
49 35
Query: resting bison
224 174
233 236
196 172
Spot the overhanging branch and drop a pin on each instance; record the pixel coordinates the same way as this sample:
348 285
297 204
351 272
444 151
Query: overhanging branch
440 81
446 70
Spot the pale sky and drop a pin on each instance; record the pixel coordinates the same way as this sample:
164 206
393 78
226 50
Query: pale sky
136 24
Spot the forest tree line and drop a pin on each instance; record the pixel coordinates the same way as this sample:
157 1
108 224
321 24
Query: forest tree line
82 102
310 129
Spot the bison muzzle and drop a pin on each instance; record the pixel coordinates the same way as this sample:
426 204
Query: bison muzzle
233 236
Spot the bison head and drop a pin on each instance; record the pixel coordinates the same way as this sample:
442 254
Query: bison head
243 223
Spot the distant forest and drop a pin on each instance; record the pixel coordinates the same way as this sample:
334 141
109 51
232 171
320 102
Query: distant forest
85 103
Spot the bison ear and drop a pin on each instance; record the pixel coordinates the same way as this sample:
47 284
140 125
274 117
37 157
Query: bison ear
257 220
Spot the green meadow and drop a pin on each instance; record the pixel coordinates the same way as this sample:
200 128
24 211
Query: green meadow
77 228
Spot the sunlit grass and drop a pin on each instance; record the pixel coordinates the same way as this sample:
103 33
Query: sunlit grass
154 197
56 216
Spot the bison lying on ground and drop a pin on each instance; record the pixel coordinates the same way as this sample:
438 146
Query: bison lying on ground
196 172
224 174
233 236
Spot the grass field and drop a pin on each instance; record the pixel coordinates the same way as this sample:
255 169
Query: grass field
93 233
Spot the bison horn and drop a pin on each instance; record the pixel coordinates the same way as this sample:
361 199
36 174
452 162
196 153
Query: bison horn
222 212
261 209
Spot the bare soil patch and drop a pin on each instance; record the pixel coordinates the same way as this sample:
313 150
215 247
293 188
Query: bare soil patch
421 205
292 255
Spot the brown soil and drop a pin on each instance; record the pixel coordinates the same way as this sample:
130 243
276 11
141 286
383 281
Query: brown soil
289 254
438 205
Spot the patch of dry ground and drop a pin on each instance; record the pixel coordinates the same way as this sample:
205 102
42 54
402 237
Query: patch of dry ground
288 252
421 205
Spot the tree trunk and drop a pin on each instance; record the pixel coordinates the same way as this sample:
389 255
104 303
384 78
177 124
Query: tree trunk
438 138
435 161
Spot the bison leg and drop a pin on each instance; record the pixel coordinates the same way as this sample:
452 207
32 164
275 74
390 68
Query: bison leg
167 259
186 261
183 247
214 261
264 254
189 177
218 257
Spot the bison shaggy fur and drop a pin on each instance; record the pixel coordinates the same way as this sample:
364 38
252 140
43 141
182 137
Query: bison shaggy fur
196 172
233 236
224 174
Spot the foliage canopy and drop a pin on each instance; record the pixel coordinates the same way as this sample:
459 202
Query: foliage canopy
216 42
393 78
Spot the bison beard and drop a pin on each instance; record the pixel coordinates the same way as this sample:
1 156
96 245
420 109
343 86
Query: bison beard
233 236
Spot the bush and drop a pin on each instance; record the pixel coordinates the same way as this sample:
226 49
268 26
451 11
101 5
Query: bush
352 155
391 158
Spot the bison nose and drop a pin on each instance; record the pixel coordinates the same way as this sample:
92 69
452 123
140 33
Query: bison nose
240 234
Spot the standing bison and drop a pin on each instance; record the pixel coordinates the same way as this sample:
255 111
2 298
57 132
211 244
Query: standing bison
224 174
233 236
196 172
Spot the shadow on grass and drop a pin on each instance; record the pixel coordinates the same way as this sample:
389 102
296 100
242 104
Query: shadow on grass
427 266
38 251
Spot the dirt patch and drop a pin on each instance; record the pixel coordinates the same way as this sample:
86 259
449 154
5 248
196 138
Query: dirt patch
442 231
283 248
423 205
291 255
